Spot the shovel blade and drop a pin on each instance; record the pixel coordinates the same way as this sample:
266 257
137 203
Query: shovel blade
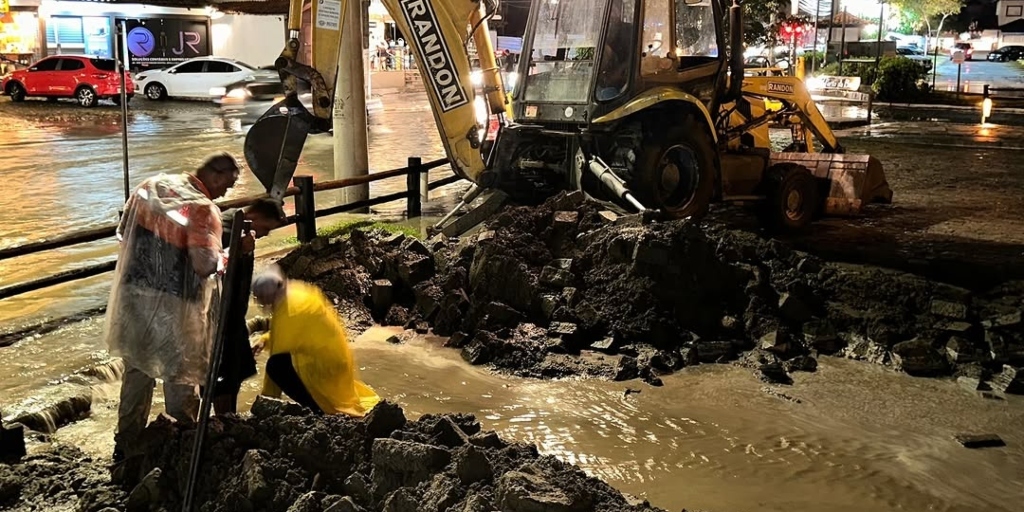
274 143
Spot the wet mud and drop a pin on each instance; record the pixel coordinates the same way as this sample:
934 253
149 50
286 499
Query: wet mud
569 288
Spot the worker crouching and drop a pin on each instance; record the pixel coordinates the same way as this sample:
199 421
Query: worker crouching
310 360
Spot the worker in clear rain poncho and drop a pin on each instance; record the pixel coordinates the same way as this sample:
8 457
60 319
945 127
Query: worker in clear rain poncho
161 315
310 360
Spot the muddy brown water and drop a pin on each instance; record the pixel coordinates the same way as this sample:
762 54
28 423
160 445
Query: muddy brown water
851 437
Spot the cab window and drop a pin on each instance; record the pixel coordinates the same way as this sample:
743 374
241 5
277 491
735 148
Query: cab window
695 31
616 53
656 49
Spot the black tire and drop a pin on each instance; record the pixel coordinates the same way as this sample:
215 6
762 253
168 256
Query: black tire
676 172
86 97
156 92
16 91
117 99
793 197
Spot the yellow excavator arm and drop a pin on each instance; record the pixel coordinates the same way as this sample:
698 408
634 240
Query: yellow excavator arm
438 33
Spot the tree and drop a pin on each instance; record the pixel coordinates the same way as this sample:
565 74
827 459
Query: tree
759 18
929 10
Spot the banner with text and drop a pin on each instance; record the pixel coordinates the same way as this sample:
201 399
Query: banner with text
165 41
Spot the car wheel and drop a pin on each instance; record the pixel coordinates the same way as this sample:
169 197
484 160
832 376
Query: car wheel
16 91
86 97
156 92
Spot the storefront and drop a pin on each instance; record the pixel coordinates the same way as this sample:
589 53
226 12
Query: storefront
156 36
19 33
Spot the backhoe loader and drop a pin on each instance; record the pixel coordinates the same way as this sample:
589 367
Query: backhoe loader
638 102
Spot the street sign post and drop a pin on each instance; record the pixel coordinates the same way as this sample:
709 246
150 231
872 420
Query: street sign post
958 58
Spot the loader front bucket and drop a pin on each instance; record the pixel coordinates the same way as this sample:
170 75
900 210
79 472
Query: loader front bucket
274 143
853 180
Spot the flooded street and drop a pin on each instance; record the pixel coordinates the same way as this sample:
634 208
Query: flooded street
849 437
64 165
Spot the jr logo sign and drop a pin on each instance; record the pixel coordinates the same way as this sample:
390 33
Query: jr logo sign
189 40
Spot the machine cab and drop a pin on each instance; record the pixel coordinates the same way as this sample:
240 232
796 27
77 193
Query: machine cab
583 59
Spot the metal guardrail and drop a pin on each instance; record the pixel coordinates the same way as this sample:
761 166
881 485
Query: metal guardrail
304 219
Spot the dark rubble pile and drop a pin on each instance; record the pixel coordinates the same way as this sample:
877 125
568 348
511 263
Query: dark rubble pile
62 478
282 459
539 287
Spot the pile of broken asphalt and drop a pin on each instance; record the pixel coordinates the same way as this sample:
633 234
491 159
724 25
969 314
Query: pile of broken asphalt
284 459
568 288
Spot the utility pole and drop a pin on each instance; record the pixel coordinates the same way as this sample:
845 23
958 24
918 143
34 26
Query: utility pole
351 154
814 44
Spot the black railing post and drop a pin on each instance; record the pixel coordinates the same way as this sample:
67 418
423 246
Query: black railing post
305 209
412 181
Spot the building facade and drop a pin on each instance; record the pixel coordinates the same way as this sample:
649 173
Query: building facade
154 37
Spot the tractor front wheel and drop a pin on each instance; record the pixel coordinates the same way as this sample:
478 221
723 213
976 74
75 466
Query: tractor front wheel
676 173
793 197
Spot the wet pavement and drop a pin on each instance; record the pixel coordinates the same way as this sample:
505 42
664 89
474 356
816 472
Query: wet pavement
977 73
62 167
850 437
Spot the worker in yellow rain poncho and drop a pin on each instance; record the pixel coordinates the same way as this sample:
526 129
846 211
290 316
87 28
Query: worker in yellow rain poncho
310 359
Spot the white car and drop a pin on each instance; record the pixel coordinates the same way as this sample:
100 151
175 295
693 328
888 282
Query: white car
194 78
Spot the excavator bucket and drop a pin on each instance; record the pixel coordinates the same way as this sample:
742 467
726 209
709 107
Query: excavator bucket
854 181
274 143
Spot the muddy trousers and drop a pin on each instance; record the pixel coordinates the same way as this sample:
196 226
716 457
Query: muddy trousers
281 371
181 403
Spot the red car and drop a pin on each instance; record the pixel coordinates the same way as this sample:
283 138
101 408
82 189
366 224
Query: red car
86 79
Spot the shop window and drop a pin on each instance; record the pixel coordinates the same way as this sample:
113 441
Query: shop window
64 33
71 64
97 35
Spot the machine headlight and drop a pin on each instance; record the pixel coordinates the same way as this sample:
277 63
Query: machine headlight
218 91
477 78
481 115
513 77
238 94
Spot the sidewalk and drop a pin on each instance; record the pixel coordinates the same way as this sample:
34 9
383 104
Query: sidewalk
942 134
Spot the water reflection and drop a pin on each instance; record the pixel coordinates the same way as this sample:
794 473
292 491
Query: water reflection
63 167
711 438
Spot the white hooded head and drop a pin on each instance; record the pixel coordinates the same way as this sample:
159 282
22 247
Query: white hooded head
269 286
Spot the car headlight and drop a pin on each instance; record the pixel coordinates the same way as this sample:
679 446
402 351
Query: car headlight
218 91
238 94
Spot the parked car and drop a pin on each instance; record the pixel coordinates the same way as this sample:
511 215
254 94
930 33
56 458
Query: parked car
920 58
86 79
195 77
250 99
1006 53
967 48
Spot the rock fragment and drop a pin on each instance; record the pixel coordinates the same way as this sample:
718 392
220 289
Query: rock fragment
979 440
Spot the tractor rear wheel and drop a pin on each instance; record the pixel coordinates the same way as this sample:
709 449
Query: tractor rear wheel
676 173
793 197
